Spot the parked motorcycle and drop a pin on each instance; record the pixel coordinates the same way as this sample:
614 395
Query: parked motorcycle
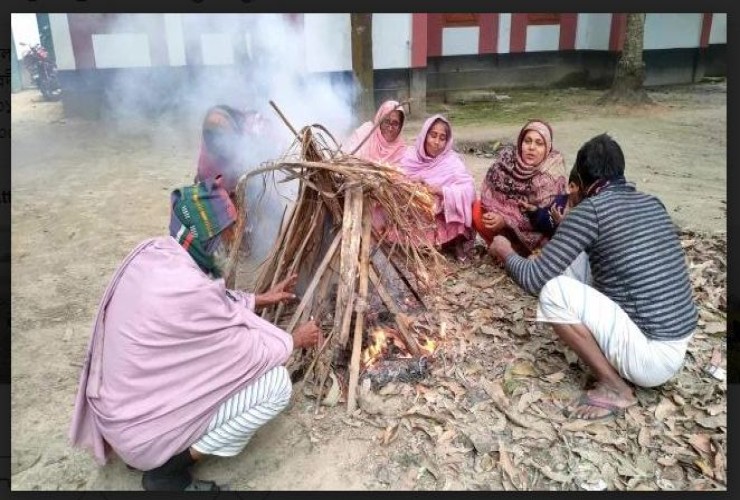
43 71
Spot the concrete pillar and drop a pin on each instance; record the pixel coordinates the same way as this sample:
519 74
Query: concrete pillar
418 91
16 84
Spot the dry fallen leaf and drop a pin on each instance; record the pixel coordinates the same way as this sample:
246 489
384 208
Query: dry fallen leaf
643 437
704 467
700 442
556 377
664 408
514 474
390 434
523 369
667 461
486 462
720 468
332 396
715 327
715 422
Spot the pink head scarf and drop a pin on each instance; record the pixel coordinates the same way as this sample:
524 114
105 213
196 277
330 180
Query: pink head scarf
446 170
376 148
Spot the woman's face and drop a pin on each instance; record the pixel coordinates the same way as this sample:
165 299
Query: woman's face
533 148
436 139
390 127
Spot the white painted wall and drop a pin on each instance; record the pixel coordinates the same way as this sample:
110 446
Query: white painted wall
175 39
718 32
460 41
63 52
391 41
504 33
592 31
121 50
25 29
672 31
217 49
327 42
541 38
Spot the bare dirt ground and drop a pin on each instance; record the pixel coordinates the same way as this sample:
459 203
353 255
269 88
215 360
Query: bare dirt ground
488 417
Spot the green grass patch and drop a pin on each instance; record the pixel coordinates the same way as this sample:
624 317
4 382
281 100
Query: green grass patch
522 105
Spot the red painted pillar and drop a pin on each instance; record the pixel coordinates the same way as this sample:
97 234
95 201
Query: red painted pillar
488 39
518 42
706 29
419 40
568 25
435 23
617 33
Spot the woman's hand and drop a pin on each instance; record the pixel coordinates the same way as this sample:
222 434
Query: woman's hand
557 214
281 292
526 207
305 335
493 222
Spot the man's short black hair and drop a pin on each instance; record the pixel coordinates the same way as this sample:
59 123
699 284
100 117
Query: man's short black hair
599 158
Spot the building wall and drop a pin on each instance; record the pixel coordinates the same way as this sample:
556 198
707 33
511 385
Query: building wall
592 31
718 33
672 31
542 38
391 41
460 41
504 33
327 30
447 51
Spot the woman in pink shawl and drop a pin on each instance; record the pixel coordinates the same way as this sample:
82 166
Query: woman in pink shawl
531 172
222 144
432 161
385 144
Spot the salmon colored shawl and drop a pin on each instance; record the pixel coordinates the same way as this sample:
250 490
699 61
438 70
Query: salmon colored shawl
509 180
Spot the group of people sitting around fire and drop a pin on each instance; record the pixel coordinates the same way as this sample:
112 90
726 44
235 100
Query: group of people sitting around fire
179 366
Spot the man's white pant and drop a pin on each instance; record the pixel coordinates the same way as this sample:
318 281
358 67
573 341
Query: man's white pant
642 361
239 417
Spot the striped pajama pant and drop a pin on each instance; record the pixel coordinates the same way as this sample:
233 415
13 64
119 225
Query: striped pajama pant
239 417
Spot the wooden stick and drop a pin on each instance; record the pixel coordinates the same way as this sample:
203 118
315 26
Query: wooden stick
285 120
408 338
354 369
400 105
314 281
351 221
297 258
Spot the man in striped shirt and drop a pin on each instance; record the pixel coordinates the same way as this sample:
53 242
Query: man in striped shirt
635 321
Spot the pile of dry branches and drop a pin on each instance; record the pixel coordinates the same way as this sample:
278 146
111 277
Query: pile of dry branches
329 240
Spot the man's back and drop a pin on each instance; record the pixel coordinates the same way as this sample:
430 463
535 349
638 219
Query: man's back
637 261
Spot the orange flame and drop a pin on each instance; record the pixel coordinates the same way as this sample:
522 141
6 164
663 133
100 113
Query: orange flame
429 346
372 353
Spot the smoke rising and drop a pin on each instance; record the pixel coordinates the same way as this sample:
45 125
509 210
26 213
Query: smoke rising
261 57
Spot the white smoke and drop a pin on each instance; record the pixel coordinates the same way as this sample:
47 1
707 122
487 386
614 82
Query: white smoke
264 58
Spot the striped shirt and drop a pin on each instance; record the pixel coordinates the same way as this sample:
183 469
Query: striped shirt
635 255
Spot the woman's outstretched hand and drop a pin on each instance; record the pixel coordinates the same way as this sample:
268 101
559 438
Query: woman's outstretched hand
281 292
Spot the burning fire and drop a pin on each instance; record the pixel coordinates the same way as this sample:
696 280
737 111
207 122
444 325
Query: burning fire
429 345
373 351
384 340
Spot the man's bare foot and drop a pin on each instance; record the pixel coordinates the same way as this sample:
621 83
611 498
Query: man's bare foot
602 402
